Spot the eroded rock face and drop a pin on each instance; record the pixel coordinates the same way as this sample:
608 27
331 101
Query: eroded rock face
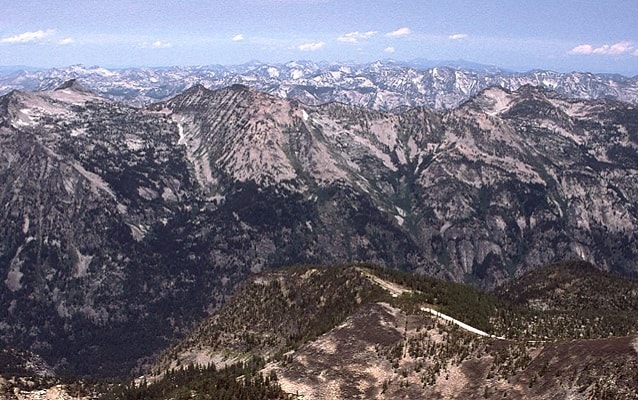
83 183
127 223
507 181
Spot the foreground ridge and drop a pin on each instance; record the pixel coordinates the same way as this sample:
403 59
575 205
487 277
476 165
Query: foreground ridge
389 345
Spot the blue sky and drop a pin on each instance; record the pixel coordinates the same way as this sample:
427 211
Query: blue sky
565 35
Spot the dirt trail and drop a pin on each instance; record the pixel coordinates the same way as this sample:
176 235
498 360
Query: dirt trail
396 290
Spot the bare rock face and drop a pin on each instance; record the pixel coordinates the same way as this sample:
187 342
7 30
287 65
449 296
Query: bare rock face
83 182
504 182
120 226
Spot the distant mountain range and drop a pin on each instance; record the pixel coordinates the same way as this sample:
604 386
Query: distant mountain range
383 85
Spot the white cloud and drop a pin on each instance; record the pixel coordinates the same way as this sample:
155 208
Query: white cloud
161 45
582 49
66 41
354 37
28 36
238 38
158 44
311 46
635 52
621 47
389 49
606 49
399 32
458 36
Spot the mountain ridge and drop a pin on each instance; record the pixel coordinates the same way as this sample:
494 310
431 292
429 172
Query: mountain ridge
385 346
361 331
115 217
382 85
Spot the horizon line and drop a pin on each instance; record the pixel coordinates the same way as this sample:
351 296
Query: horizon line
417 63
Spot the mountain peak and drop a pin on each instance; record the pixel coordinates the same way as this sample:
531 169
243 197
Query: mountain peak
190 96
497 100
239 87
534 91
492 100
74 85
198 87
198 93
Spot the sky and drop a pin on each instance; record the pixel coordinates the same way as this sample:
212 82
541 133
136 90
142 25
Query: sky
560 35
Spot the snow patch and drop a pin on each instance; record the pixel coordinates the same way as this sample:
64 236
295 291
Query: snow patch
138 231
180 131
121 208
62 310
97 183
168 194
217 198
134 144
78 132
13 277
273 72
497 101
446 225
82 265
24 118
25 224
522 224
147 193
581 250
500 222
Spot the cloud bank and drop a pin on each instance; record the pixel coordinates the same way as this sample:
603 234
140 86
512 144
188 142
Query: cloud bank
311 46
458 36
399 32
354 37
27 37
66 41
606 49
